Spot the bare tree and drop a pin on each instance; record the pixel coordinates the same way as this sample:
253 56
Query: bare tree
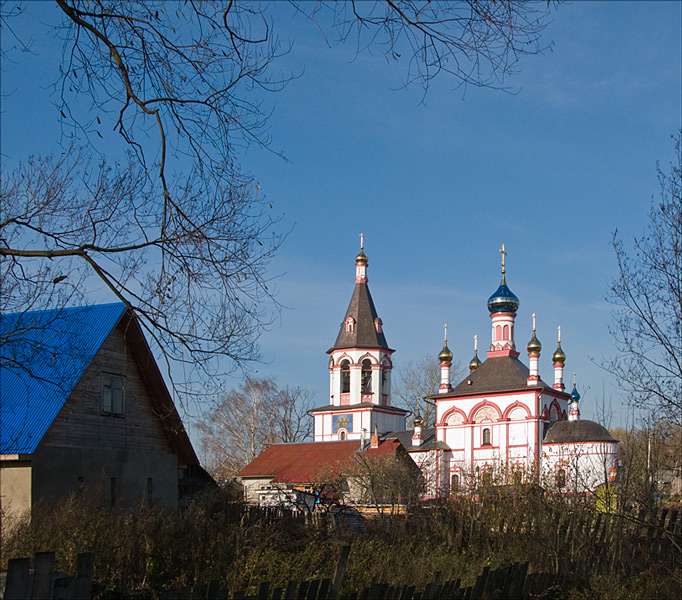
247 420
179 233
647 299
196 281
387 482
417 379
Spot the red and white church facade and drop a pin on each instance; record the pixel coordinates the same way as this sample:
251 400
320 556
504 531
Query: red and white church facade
502 423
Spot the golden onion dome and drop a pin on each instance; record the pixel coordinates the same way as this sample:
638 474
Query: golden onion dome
445 355
361 259
475 362
418 421
558 357
534 346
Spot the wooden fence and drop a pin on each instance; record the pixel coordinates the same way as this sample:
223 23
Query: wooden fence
658 535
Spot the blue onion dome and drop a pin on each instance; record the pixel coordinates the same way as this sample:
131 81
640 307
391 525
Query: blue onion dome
503 300
534 346
445 355
575 396
475 362
558 357
361 259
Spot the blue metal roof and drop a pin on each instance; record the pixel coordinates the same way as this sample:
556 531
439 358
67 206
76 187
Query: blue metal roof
43 355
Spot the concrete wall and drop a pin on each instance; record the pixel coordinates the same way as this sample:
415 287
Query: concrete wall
15 489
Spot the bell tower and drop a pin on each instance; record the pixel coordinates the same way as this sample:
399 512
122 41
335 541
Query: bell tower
359 371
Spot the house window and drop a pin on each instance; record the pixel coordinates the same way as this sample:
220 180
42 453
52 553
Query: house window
561 478
366 376
454 483
342 435
345 377
112 394
486 437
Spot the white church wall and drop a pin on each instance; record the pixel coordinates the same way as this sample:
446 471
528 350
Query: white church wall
586 465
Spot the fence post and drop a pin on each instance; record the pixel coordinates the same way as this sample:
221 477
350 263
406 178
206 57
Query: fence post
16 587
430 591
84 572
340 572
42 575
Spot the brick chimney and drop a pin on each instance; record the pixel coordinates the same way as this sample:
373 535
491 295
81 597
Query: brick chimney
374 441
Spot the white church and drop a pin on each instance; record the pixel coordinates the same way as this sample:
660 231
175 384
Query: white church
502 424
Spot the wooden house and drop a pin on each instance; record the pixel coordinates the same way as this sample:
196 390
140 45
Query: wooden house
84 409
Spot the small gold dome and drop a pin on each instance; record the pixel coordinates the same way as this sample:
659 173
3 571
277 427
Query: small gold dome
445 355
534 346
475 362
361 259
418 421
558 357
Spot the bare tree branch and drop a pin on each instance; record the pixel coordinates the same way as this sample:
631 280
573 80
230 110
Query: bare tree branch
647 300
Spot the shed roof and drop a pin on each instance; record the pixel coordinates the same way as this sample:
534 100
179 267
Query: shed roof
429 441
308 462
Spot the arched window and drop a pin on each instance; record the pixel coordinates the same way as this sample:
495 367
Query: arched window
505 332
498 333
350 324
486 437
366 376
454 483
561 478
342 435
345 377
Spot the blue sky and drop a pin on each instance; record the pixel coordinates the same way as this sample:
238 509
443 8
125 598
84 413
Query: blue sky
551 170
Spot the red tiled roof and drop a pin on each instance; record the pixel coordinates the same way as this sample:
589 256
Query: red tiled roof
303 463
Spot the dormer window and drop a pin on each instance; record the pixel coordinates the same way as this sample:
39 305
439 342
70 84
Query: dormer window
350 325
377 324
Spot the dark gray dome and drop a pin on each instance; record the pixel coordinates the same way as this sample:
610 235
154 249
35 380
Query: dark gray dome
566 432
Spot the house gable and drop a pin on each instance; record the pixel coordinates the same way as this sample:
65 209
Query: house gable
83 420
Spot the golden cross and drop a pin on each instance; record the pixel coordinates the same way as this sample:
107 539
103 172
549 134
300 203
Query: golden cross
504 254
362 242
446 332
